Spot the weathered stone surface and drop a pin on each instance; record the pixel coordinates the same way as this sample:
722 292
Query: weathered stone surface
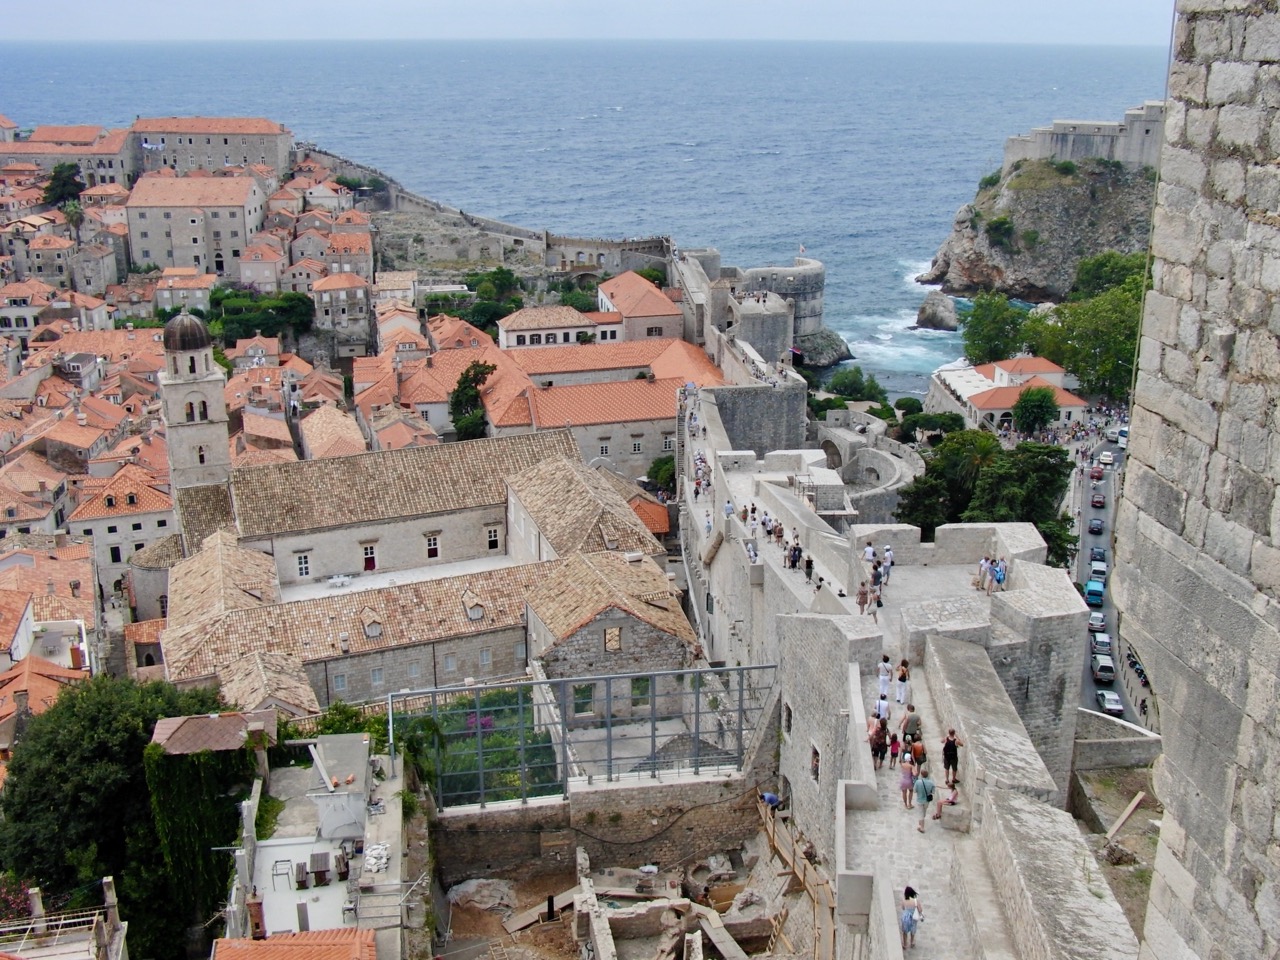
938 312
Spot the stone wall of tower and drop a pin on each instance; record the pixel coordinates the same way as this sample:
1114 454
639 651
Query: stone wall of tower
1198 534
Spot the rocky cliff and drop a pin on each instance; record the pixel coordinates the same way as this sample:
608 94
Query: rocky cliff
1024 235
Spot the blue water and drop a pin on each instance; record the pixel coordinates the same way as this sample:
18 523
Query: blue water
860 152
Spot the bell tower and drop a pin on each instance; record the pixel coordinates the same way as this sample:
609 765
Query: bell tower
195 410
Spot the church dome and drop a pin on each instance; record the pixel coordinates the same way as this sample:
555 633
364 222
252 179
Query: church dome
185 332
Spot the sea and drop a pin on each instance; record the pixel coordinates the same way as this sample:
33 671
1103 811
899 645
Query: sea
859 153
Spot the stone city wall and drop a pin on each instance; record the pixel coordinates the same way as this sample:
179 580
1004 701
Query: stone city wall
1198 530
1054 896
1103 742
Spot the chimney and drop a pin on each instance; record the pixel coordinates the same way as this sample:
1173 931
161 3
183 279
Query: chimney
60 540
75 587
20 706
429 361
43 485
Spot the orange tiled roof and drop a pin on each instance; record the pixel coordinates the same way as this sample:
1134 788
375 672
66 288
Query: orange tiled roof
267 427
541 318
13 607
619 401
192 192
41 679
208 125
133 481
357 243
86 133
652 515
634 296
340 281
344 944
1004 398
47 241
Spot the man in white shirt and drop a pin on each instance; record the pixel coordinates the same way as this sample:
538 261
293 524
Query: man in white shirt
869 554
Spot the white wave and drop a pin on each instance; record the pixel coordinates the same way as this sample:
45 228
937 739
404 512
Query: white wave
914 268
688 160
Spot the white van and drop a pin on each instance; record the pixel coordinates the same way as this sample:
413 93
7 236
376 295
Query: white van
1098 571
1103 668
1114 434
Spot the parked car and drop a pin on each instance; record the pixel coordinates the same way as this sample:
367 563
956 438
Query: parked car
1098 571
1099 500
1095 525
1103 668
1095 593
1100 643
1111 703
1097 621
1106 458
1096 473
1097 553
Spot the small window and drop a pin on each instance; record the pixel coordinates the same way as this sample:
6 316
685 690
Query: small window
639 691
109 500
653 331
131 498
786 719
375 677
138 546
339 683
535 339
521 340
584 695
433 547
486 659
668 443
137 526
162 523
520 652
604 449
450 663
304 564
168 215
370 557
112 529
815 765
115 554
637 446
87 532
492 534
415 668
613 639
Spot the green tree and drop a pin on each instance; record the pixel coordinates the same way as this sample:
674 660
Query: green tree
1106 270
908 405
655 275
74 214
1035 409
930 423
1000 232
663 473
77 808
466 409
850 383
925 503
1101 339
64 184
960 459
580 300
1043 336
1022 485
992 329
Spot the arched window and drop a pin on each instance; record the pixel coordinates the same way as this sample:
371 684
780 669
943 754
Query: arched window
191 364
206 363
200 454
191 412
204 410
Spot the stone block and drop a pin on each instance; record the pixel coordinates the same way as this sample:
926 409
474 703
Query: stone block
1199 126
1185 168
958 817
1228 181
1228 82
1175 238
1187 82
1211 39
1177 367
1160 318
1239 125
1261 38
1262 187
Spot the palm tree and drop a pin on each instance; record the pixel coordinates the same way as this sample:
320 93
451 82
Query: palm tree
75 216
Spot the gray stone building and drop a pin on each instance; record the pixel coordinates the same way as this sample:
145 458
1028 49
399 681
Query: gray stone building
200 222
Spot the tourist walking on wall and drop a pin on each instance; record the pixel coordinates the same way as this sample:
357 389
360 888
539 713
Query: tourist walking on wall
894 748
869 553
879 743
808 569
910 723
951 745
883 672
910 917
904 675
863 597
924 794
906 778
883 710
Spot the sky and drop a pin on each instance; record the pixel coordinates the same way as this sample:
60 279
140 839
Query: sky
1088 22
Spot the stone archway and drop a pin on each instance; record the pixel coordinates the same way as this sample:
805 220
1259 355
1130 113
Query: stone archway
834 458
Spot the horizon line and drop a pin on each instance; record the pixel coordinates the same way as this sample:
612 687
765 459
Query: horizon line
773 41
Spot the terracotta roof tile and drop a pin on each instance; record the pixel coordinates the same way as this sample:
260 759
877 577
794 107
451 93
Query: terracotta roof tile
131 491
42 681
213 731
634 296
220 577
192 192
259 679
202 510
416 481
345 944
270 428
542 318
328 432
343 243
578 511
208 125
164 554
618 401
1003 398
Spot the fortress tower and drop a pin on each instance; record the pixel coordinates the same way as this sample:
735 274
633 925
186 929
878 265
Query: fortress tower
195 410
1198 532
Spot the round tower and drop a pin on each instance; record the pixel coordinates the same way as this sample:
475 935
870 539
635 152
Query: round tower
195 410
